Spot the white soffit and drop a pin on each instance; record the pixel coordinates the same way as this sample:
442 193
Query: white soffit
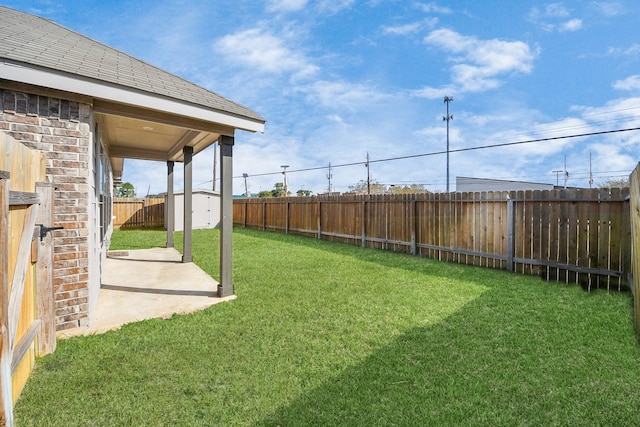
84 86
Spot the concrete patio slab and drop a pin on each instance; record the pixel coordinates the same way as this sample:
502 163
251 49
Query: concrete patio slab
146 284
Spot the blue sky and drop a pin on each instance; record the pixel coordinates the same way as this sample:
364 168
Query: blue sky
337 79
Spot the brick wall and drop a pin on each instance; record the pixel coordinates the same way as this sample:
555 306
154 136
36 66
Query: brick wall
62 130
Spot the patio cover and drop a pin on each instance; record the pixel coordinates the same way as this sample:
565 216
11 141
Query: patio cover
142 111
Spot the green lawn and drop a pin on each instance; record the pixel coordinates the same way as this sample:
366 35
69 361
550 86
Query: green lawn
329 334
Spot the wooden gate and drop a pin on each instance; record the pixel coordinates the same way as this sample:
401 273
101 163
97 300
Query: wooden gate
26 297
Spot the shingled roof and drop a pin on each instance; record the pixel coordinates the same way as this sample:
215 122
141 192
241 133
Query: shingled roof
35 41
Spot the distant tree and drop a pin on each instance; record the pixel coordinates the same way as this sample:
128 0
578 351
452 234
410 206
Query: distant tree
278 190
303 193
407 189
126 190
374 188
377 188
615 183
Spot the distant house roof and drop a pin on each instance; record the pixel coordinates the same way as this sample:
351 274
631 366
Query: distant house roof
33 40
465 184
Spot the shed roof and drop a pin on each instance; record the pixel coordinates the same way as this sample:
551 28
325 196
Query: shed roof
33 40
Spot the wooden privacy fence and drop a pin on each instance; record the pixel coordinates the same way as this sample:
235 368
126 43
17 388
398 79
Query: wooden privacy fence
580 235
129 212
27 326
634 183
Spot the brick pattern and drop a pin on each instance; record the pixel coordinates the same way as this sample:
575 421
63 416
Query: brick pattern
61 129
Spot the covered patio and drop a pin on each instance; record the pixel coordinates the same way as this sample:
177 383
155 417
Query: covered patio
147 284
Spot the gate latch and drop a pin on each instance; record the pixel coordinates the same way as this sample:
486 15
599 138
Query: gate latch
44 230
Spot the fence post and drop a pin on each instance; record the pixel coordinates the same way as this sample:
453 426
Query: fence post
319 220
44 273
364 223
510 230
264 216
414 225
286 224
246 207
634 182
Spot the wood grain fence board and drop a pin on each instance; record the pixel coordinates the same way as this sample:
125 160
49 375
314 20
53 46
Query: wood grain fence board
434 212
477 228
133 212
439 227
472 230
592 244
536 229
430 215
634 211
500 225
490 228
479 235
530 230
449 228
44 273
519 218
461 238
604 234
625 238
572 238
584 256
5 355
555 244
616 235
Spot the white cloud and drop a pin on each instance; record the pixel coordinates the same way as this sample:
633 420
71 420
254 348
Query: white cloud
264 52
555 10
434 8
553 16
630 83
334 6
407 29
632 51
608 8
286 5
340 94
479 64
571 25
402 30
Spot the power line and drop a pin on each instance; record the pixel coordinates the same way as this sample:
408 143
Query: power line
458 150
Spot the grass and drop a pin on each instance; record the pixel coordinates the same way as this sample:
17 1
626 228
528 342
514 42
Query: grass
329 334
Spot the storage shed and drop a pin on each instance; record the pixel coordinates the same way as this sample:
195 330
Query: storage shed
205 210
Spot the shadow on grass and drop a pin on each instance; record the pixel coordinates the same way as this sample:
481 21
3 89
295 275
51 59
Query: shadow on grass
503 359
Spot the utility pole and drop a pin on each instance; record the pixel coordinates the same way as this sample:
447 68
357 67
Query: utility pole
566 173
284 179
590 173
329 176
368 175
246 189
447 118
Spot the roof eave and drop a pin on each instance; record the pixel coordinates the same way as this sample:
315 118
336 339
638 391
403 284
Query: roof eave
120 94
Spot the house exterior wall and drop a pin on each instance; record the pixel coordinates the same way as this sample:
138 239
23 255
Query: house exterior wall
62 129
